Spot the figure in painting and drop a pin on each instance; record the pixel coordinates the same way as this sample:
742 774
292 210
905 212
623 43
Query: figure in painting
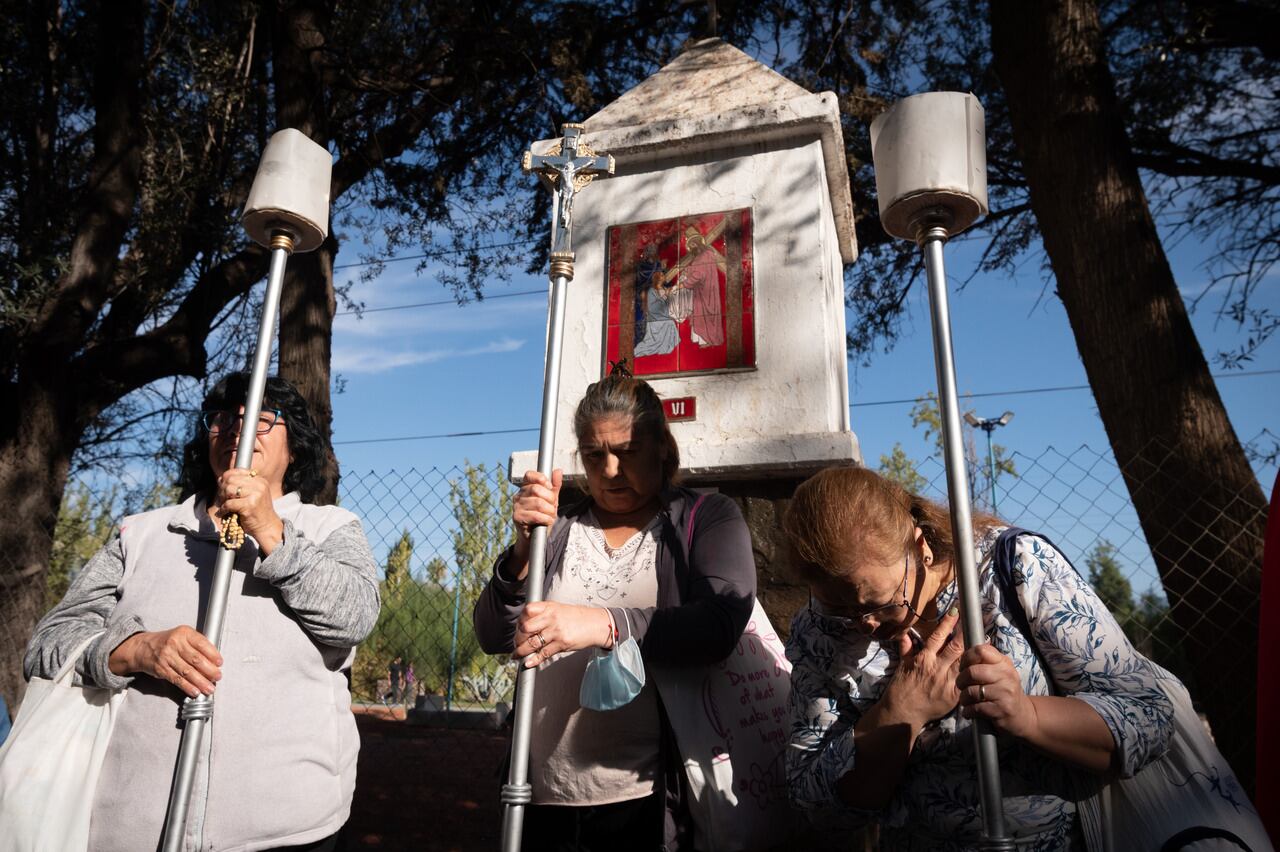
656 331
701 278
679 295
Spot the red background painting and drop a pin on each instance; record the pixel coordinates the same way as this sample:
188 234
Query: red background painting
686 267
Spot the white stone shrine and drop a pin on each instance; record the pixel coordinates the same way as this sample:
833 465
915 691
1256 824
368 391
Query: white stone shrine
712 261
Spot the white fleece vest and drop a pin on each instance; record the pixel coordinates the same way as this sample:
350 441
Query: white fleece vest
278 762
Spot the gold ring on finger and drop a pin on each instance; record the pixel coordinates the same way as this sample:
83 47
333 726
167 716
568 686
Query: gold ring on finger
982 692
238 490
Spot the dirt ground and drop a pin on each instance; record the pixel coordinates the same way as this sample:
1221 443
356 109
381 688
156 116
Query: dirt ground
436 790
424 789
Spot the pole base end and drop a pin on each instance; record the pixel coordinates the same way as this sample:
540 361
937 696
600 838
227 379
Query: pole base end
997 844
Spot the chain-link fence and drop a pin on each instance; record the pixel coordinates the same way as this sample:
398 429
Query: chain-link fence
1177 562
1187 597
436 534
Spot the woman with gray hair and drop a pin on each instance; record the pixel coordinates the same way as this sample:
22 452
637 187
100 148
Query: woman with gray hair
627 566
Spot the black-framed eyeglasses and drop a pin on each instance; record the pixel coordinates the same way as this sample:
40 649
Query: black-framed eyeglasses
216 422
859 621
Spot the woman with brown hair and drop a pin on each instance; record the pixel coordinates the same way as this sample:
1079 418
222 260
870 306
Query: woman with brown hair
627 566
883 692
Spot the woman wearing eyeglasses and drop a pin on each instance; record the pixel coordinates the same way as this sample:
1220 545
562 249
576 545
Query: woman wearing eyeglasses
883 692
278 762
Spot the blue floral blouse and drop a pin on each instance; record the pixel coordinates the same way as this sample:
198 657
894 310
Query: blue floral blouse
839 673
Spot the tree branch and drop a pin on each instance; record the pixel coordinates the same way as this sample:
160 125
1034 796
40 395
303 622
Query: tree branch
1181 161
114 368
113 185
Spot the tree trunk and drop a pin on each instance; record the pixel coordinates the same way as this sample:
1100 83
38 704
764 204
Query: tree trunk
34 461
307 304
1198 501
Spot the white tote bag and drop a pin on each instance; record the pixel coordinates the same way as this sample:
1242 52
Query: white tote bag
1188 799
730 722
50 763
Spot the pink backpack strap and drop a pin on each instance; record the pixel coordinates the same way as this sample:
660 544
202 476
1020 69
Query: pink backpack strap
693 512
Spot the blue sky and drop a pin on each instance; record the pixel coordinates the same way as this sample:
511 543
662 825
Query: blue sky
478 367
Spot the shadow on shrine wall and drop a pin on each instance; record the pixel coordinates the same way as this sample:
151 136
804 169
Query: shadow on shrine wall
727 162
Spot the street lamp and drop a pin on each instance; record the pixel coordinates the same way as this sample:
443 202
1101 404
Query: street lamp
989 425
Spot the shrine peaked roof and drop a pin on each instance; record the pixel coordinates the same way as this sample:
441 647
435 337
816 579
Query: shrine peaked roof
714 96
710 76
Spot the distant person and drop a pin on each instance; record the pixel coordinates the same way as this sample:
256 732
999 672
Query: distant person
626 562
395 671
884 694
410 684
278 763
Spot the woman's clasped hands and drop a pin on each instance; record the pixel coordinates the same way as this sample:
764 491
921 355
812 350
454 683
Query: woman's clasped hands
991 689
547 628
940 674
924 687
183 656
247 495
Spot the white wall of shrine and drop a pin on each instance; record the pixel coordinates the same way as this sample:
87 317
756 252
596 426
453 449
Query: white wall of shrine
791 412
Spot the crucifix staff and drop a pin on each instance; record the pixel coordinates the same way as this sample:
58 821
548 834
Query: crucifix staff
568 167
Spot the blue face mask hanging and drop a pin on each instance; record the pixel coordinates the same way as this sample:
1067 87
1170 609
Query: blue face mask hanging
613 678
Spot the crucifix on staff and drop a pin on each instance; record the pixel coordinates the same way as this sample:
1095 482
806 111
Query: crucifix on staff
566 170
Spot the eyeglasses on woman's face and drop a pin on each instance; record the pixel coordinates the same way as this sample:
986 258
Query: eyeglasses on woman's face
868 619
217 422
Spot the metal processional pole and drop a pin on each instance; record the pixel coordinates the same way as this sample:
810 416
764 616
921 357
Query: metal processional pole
566 169
287 211
930 160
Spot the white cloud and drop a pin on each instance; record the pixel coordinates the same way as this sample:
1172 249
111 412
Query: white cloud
350 360
478 316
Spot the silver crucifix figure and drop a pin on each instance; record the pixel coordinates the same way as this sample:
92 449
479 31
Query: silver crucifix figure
566 169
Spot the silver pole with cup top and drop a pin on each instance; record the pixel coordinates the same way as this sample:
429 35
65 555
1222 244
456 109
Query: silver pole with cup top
287 211
930 159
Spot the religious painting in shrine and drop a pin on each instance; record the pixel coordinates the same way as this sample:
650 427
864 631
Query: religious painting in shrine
680 297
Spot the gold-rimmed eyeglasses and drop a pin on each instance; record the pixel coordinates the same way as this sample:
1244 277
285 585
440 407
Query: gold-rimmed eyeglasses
861 620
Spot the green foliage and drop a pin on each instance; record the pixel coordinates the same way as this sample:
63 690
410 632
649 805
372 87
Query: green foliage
481 504
904 470
416 623
1146 621
900 467
1108 580
396 573
426 618
436 570
86 521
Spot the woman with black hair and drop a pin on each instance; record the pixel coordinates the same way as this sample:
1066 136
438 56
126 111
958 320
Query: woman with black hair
278 764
